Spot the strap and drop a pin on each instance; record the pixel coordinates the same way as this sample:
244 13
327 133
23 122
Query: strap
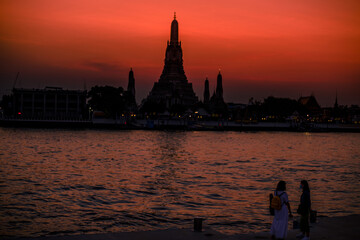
279 195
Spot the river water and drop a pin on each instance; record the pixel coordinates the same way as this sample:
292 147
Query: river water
55 182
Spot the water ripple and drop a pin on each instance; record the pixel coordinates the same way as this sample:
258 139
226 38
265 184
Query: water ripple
56 182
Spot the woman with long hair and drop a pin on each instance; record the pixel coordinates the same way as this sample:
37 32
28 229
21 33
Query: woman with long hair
304 211
279 225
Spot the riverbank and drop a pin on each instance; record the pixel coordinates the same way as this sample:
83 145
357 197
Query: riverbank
181 124
326 228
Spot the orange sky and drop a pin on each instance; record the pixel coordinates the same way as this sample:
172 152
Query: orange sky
279 47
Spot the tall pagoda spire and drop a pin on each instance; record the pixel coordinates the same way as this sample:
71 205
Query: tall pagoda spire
219 88
173 88
174 36
206 92
131 83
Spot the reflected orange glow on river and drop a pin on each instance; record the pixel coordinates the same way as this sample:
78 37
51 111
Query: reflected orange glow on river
56 182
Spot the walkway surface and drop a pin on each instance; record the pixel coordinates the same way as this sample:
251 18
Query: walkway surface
326 228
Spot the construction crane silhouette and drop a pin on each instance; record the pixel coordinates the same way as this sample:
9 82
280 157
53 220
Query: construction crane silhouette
17 76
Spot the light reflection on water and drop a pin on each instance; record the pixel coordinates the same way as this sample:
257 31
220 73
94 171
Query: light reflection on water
72 182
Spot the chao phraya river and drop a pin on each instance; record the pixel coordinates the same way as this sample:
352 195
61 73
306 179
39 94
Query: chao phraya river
56 182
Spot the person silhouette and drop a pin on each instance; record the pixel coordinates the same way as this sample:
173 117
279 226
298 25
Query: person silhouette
279 225
304 211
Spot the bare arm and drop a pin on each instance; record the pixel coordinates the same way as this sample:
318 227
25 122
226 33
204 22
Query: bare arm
288 206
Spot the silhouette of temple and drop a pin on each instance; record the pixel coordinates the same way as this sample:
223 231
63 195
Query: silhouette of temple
217 97
130 93
310 104
131 83
173 89
216 103
206 92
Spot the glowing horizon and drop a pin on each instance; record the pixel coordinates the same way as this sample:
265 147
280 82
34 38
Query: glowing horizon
281 48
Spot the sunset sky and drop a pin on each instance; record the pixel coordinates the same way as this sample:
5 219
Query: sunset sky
281 48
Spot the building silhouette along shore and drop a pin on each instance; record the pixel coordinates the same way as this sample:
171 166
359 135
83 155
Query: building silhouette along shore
171 102
49 103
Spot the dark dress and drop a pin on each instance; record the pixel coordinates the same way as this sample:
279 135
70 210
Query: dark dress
305 203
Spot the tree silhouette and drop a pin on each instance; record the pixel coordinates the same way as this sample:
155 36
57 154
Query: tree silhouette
107 99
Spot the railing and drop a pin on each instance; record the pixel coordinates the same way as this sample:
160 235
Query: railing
45 119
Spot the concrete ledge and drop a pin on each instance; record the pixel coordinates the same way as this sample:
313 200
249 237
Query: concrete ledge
326 228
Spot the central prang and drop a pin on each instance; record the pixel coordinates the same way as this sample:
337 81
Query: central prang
172 92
